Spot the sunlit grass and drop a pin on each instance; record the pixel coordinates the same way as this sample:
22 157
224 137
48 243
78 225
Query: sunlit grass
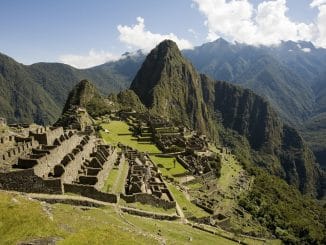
188 207
118 132
110 180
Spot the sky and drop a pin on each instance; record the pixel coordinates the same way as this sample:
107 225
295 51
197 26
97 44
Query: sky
85 33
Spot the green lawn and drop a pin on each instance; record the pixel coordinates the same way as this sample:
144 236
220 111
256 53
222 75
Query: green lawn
110 180
118 131
22 219
188 208
168 165
229 173
121 181
194 185
178 233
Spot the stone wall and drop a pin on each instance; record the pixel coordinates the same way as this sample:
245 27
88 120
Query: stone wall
47 137
104 173
26 181
145 198
91 192
7 139
149 214
47 163
17 151
70 201
71 169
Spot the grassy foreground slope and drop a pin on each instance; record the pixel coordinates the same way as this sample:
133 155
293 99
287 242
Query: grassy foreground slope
24 220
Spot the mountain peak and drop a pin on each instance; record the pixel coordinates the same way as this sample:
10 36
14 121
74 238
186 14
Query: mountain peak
168 85
221 41
166 48
81 94
166 44
163 65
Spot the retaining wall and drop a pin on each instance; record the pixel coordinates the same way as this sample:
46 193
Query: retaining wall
26 181
145 198
91 192
149 214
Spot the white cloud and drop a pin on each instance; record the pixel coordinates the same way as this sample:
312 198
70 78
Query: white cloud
232 19
138 37
93 58
316 3
321 20
268 24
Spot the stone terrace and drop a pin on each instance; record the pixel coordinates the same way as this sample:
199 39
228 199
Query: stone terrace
52 160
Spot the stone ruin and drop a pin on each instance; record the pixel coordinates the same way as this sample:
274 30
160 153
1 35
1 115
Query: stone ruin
144 182
190 148
200 165
54 160
74 118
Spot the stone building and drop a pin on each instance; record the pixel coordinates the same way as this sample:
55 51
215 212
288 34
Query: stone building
54 160
144 182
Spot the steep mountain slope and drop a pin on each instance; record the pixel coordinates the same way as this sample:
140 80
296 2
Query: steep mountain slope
21 98
262 69
168 85
291 76
38 92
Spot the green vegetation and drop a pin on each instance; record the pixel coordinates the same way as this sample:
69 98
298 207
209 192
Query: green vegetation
194 185
189 209
20 220
230 170
280 207
175 232
37 93
118 131
110 180
272 144
121 181
170 165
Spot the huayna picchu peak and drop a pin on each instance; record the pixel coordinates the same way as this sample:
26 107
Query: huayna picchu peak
177 158
168 85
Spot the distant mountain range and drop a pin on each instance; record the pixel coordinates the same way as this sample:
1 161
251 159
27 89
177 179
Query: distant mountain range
291 76
37 93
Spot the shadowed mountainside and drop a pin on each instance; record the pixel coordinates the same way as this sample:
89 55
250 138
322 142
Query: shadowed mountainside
36 93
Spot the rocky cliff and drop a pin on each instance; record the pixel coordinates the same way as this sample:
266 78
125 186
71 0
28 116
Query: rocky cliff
169 85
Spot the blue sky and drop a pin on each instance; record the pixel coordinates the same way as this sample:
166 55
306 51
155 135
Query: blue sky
89 32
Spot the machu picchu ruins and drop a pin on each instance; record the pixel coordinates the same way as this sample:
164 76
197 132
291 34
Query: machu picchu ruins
71 157
158 154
